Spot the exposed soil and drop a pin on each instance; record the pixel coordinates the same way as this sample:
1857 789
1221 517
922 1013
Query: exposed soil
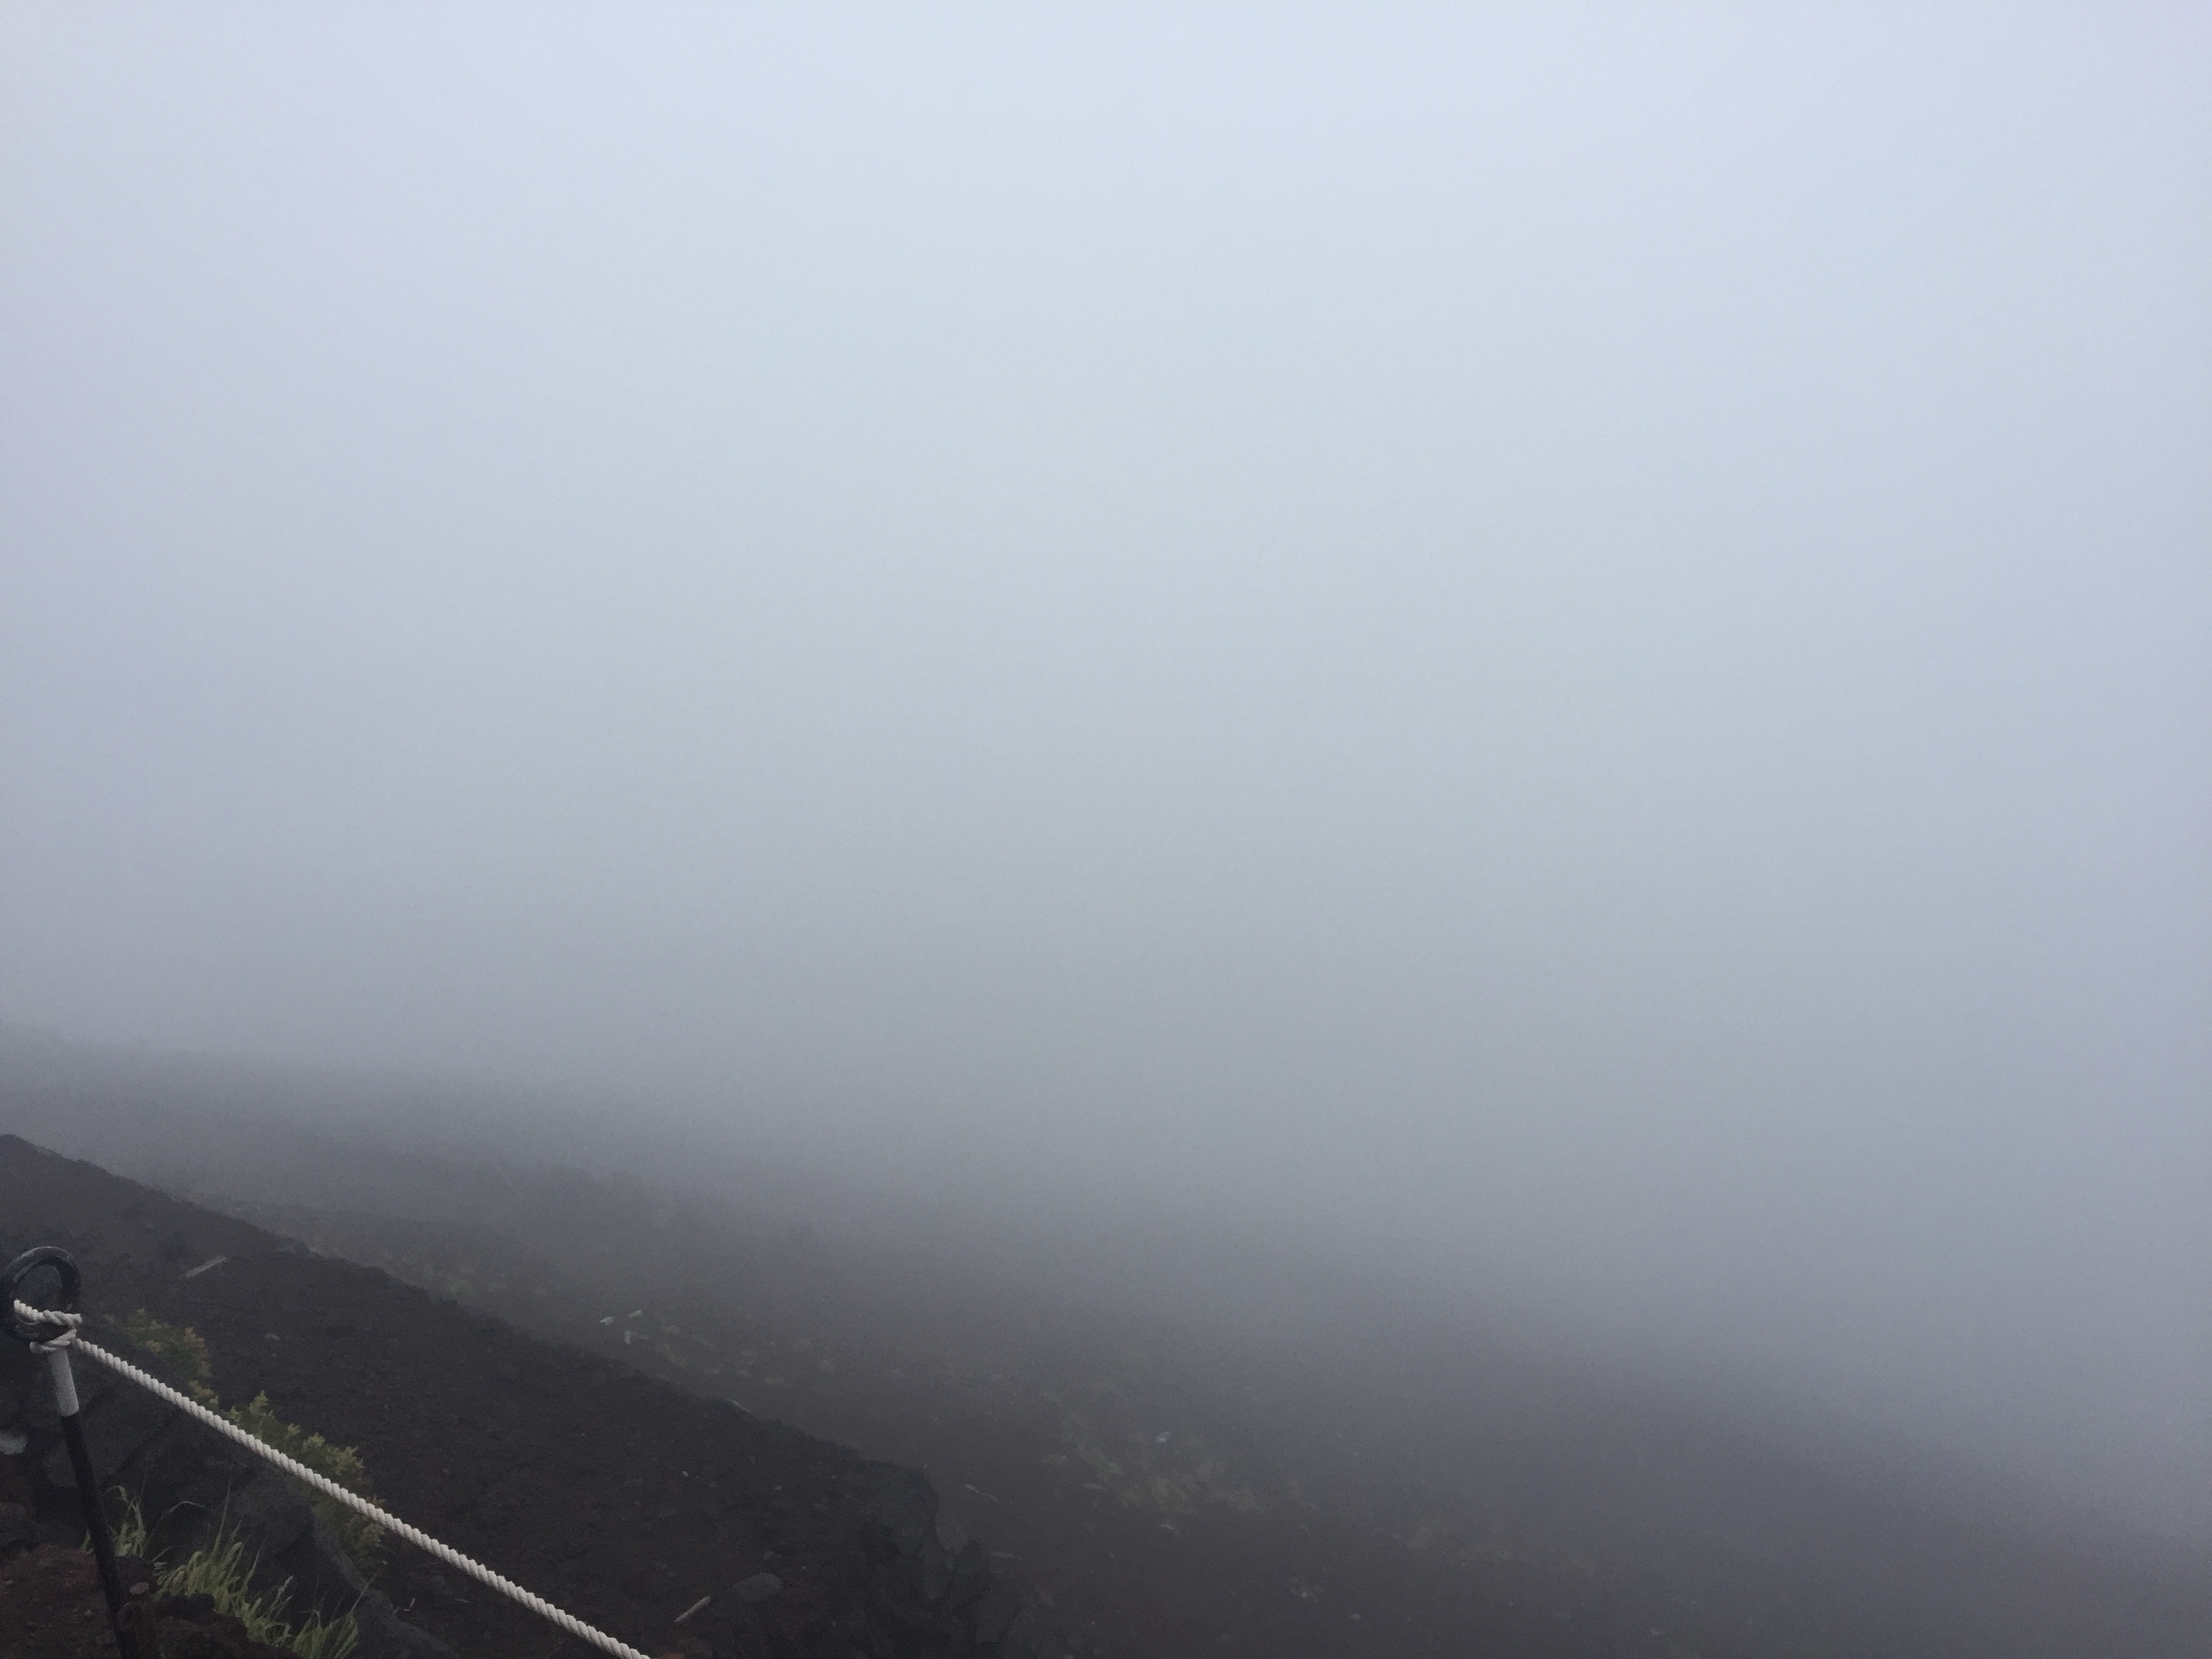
51 1607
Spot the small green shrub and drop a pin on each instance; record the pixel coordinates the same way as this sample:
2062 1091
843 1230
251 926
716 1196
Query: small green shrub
180 1347
362 1537
186 1352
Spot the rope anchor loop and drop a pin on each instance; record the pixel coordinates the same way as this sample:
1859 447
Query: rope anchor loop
47 1327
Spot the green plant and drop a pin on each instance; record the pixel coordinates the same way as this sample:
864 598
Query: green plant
222 1572
132 1536
186 1352
180 1347
362 1537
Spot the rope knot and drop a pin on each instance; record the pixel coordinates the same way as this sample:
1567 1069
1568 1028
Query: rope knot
64 1338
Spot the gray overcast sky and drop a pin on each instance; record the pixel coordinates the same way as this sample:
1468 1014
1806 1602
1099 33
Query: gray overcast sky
1567 642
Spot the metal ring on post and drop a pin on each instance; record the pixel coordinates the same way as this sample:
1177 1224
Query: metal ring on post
11 1289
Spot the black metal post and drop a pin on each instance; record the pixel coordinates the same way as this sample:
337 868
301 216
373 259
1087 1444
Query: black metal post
38 1333
87 1489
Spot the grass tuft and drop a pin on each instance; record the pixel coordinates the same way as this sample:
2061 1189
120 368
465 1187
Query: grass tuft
186 1352
224 1573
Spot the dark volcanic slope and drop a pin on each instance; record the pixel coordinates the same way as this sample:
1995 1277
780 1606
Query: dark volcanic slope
608 1492
1454 1500
1335 1479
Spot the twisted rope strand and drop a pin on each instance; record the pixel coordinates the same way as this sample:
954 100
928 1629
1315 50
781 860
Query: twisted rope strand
70 1336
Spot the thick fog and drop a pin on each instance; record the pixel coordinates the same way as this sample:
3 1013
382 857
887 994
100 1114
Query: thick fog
1565 647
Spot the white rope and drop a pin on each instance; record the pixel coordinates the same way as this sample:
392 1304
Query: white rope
68 1322
71 1336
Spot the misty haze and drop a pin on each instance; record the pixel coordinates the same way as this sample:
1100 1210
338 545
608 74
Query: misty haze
1469 753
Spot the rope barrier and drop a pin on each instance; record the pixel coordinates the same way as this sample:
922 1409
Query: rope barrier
71 1335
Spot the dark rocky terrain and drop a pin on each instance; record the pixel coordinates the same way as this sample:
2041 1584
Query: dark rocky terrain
1313 1470
614 1494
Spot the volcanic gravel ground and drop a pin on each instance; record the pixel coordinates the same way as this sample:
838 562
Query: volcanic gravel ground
609 1492
1410 1503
